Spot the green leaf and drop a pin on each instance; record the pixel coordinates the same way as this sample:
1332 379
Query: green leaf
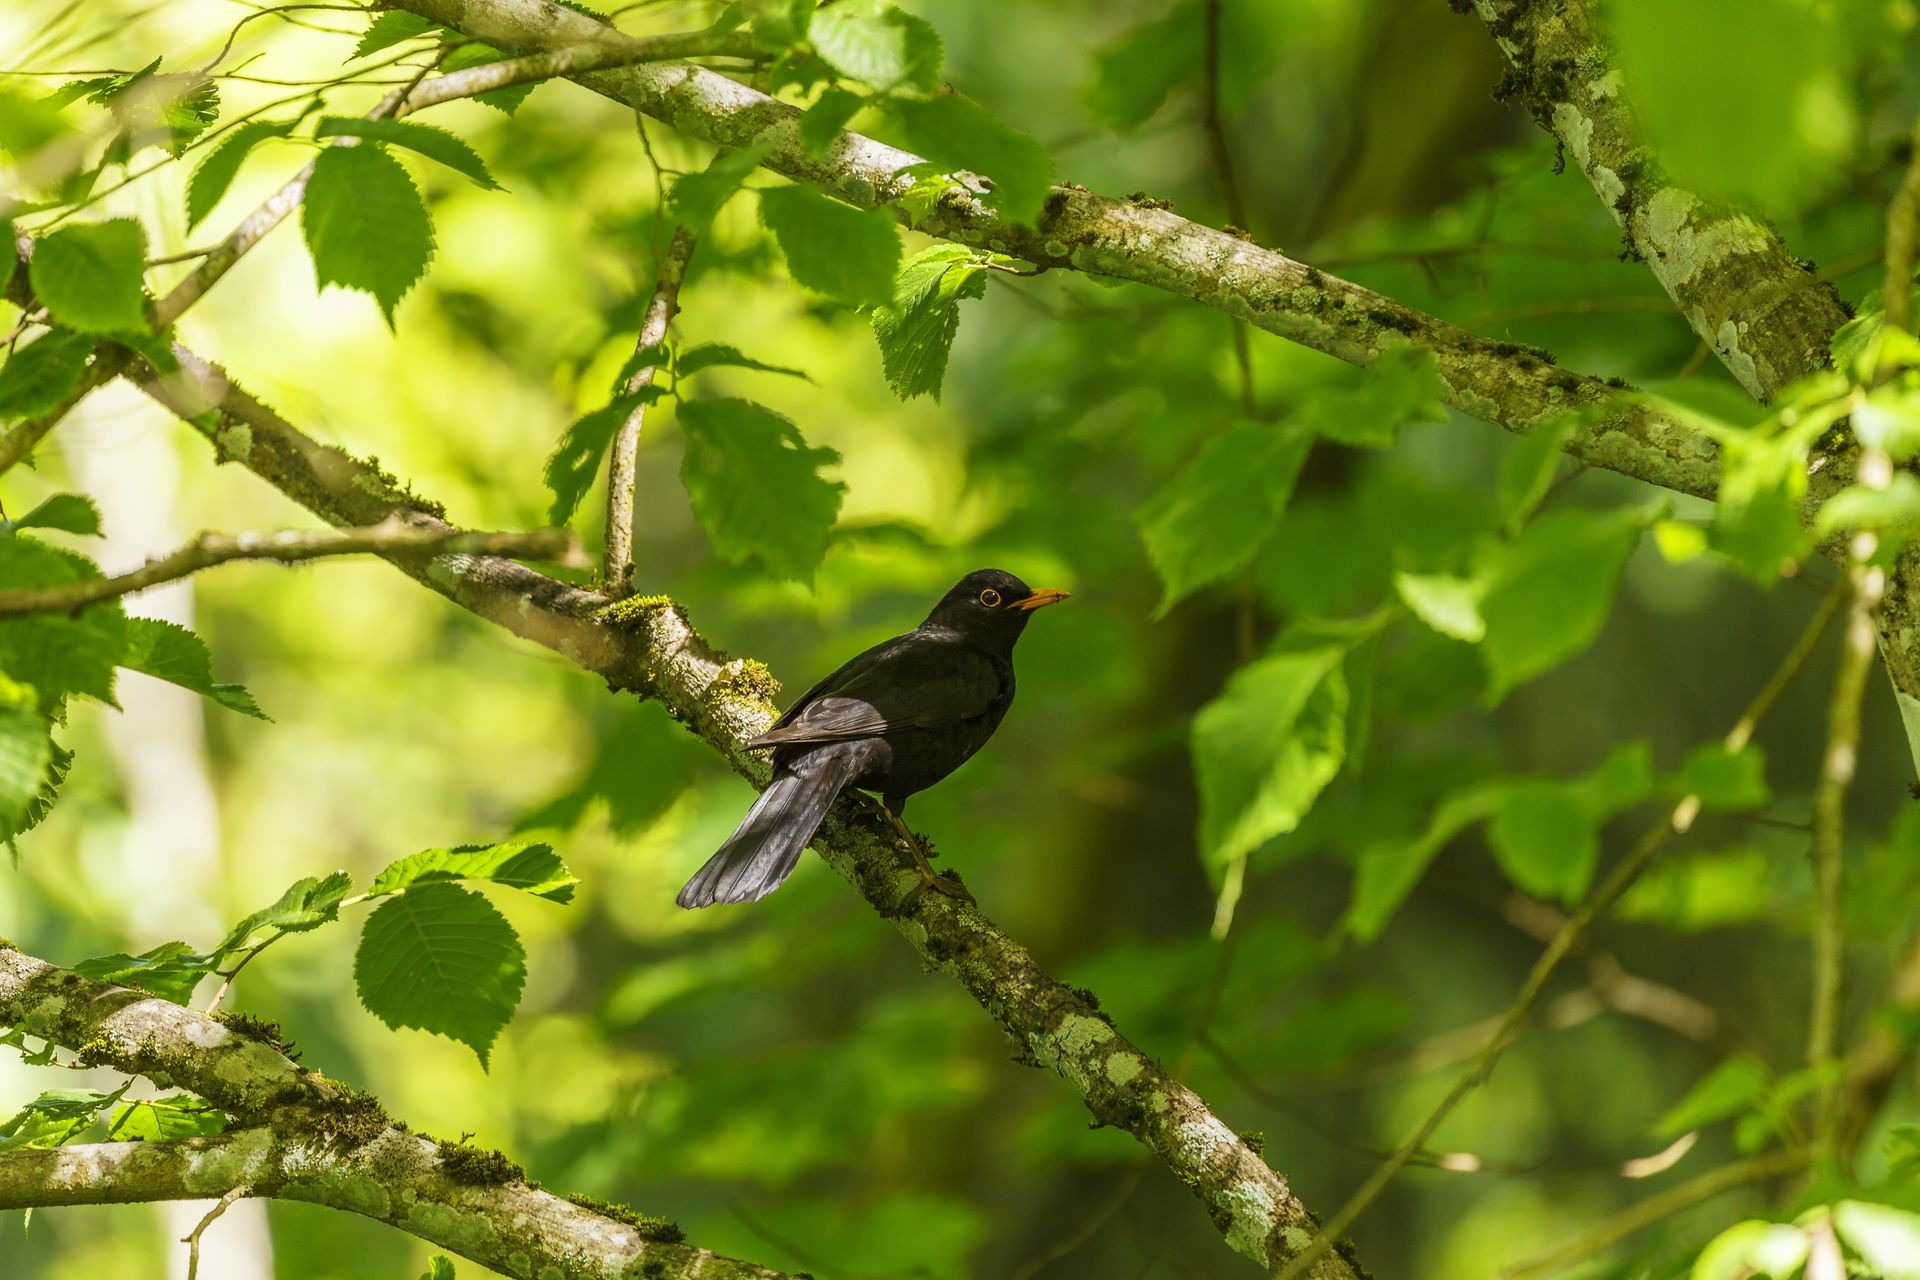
1401 388
214 174
881 44
174 1115
1448 604
1526 473
56 1117
959 133
844 252
91 276
756 485
716 354
1549 591
1756 522
1751 1249
441 959
439 1267
27 123
823 121
67 512
1210 519
1889 418
1545 833
1133 73
1894 509
697 197
1703 891
172 653
171 970
26 752
475 54
55 653
1724 780
576 459
190 112
365 224
388 29
308 903
43 800
428 140
1265 748
1887 1239
1389 870
1739 1083
38 377
520 864
916 328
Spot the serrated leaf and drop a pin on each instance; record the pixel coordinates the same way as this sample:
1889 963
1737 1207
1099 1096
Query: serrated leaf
1216 511
38 376
171 970
67 512
58 654
822 122
365 224
214 174
440 958
576 459
959 133
439 1267
1729 781
1735 1085
756 485
190 113
847 253
1265 748
174 1115
44 796
308 903
716 354
915 329
167 651
470 54
388 29
521 864
26 752
91 276
56 1117
1448 604
697 197
1401 388
1549 591
880 44
428 140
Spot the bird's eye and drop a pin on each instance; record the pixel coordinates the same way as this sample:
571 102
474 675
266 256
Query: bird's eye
990 598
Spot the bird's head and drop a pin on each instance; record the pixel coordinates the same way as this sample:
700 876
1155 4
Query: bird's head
991 602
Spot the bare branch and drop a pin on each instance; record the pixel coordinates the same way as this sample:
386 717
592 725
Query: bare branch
646 646
288 546
305 1138
617 564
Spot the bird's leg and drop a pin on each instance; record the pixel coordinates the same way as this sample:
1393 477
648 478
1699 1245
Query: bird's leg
929 878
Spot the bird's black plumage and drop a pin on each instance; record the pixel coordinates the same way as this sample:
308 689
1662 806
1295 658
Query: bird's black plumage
896 719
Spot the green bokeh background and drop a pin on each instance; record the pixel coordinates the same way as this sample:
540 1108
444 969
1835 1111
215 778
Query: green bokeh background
784 1080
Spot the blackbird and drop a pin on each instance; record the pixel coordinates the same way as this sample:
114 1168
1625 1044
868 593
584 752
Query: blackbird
895 720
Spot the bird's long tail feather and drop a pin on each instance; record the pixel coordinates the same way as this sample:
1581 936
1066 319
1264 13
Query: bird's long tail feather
764 849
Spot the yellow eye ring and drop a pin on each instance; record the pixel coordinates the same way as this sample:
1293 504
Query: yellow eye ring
990 598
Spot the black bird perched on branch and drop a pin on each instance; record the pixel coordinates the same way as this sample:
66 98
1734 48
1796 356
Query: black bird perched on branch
896 720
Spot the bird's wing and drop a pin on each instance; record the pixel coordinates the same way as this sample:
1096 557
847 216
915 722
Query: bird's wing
911 682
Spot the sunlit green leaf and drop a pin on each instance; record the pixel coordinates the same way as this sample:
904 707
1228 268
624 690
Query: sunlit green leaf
428 140
38 376
441 959
520 864
878 43
365 224
756 485
917 327
844 252
90 276
1210 518
960 134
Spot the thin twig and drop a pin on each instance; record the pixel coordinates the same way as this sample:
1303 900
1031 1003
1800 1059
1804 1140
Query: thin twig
287 546
1564 942
192 1238
617 564
1656 1208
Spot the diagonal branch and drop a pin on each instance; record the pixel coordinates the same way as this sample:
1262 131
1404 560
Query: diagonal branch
288 546
646 646
617 565
306 1138
1767 315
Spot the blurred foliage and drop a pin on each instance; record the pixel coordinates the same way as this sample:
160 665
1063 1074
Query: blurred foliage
1345 676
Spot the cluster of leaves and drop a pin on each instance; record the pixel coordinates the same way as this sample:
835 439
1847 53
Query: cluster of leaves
61 1116
433 956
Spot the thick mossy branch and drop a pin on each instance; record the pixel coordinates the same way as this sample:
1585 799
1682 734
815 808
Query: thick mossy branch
646 645
304 1137
1767 316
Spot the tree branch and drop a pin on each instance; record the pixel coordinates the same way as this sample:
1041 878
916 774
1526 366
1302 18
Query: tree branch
304 1138
617 564
288 546
646 646
1768 317
1497 382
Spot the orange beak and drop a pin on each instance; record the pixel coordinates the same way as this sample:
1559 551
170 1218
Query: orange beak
1040 599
